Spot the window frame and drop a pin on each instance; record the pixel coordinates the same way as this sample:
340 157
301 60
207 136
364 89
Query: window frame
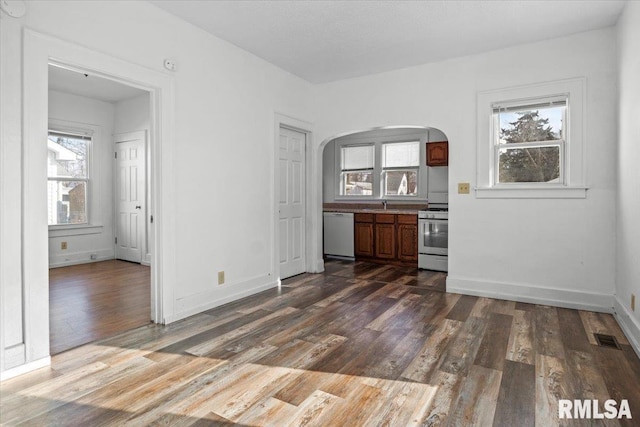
342 170
85 130
384 170
378 178
561 143
572 164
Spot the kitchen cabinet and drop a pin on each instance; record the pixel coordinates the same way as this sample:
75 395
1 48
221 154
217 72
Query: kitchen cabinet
408 238
363 230
387 238
438 153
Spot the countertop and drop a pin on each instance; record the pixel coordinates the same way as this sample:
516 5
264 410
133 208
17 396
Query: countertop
375 211
397 208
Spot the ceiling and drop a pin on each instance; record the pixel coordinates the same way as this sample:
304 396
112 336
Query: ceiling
323 41
95 87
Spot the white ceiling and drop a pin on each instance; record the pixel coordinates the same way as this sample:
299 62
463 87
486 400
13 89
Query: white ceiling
324 41
95 87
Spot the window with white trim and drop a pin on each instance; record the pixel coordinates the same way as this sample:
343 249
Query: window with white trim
68 178
400 166
529 141
356 171
379 169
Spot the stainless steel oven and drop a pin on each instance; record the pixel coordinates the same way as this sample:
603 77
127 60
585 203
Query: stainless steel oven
433 239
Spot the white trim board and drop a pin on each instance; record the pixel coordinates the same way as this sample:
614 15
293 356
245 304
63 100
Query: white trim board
190 305
590 301
81 257
628 323
23 369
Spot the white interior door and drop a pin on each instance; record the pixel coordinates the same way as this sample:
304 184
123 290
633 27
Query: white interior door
130 196
291 208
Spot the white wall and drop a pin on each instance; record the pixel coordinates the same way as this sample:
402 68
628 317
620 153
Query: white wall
628 204
81 112
225 106
554 251
132 114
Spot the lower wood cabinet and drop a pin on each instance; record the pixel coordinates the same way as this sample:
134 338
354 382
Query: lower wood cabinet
363 239
389 238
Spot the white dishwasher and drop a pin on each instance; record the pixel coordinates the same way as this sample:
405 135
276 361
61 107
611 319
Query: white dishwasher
338 235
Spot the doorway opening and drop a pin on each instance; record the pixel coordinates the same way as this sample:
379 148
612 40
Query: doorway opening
98 173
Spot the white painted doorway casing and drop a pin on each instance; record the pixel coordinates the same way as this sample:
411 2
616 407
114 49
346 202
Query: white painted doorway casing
291 202
39 51
130 175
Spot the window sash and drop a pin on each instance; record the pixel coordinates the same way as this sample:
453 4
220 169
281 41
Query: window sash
524 145
87 137
383 181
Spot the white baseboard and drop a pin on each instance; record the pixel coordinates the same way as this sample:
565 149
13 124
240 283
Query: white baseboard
63 260
23 369
532 294
193 304
629 324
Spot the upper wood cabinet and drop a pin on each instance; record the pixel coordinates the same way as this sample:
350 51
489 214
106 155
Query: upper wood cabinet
438 153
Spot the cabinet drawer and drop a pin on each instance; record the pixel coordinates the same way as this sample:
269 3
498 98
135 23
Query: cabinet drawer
364 217
385 218
407 219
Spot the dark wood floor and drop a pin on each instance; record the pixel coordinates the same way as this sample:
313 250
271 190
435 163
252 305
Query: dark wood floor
360 344
89 302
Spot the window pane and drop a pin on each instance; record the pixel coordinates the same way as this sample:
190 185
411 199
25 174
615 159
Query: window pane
401 154
67 156
401 183
540 164
531 125
67 202
357 157
357 183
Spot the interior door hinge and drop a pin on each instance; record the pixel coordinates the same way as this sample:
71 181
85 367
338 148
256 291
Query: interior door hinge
151 220
116 154
116 240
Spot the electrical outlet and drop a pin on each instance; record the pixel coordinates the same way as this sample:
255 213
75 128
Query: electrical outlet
63 245
463 187
633 302
220 277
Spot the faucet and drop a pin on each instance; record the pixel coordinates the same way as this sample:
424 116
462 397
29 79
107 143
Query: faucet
384 204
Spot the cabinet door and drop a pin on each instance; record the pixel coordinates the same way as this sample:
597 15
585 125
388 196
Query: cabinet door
385 241
408 242
363 239
438 153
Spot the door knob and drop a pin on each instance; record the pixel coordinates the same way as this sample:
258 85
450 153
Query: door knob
138 207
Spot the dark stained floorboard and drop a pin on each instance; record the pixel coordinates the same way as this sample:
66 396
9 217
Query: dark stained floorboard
361 344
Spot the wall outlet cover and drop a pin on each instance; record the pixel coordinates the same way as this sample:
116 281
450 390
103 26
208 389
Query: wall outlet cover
220 277
463 187
63 245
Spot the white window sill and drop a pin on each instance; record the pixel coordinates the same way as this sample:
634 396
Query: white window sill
522 192
74 230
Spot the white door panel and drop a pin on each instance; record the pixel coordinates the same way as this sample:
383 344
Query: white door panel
130 164
291 203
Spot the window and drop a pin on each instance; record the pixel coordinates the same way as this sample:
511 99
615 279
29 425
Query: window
529 141
356 174
68 178
381 167
400 164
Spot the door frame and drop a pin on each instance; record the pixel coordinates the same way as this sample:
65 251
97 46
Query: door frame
39 51
291 123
